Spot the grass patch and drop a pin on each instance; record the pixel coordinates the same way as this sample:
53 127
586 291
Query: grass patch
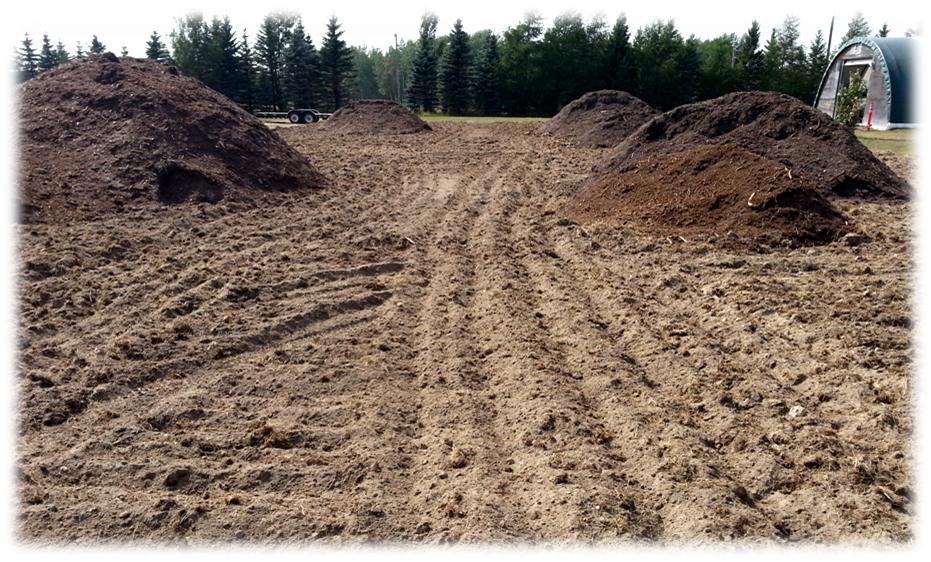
900 141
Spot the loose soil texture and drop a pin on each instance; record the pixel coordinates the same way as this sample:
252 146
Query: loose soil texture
430 352
600 119
375 117
104 135
775 126
714 190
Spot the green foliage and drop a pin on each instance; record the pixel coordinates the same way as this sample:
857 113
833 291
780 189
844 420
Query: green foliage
335 67
620 67
422 93
487 77
719 71
851 100
520 69
155 49
47 57
367 64
858 27
302 69
572 60
97 47
189 45
28 60
883 31
455 78
816 64
273 36
666 67
785 61
61 54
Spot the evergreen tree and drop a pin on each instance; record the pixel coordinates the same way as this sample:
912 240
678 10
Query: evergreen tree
572 59
455 72
124 52
620 70
221 58
719 69
364 68
750 60
189 41
690 69
858 27
884 30
422 92
662 58
487 77
816 63
79 51
335 66
246 91
61 54
47 58
97 48
270 44
155 49
29 60
521 74
302 69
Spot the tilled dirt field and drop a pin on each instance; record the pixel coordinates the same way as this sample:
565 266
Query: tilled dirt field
429 351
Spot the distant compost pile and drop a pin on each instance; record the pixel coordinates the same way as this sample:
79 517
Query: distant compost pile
600 119
104 134
375 117
719 190
775 126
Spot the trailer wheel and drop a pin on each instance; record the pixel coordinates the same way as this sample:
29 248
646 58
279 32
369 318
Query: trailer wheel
308 118
294 117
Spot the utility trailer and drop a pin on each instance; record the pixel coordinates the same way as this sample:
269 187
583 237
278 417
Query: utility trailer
295 115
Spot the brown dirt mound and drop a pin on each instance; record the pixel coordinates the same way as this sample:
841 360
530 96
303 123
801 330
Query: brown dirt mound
712 190
600 119
775 126
105 134
375 117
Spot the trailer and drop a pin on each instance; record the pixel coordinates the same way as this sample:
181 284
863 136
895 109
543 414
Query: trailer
305 115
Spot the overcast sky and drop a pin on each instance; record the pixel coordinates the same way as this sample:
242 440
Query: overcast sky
375 23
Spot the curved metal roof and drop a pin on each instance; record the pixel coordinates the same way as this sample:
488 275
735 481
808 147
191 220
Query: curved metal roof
897 56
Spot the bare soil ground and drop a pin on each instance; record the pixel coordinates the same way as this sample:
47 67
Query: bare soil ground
429 351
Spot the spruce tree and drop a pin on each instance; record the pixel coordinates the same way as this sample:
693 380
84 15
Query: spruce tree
620 72
124 52
29 60
155 49
884 30
487 77
816 63
270 43
858 27
302 69
455 72
222 58
97 47
422 91
335 66
246 90
189 45
47 58
61 53
79 51
750 60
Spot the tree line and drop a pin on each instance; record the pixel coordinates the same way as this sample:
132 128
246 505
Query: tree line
526 70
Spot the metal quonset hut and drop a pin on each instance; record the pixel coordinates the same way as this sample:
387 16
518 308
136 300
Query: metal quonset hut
887 64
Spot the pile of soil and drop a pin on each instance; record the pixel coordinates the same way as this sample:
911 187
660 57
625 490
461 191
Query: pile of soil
375 117
600 119
105 134
775 126
712 190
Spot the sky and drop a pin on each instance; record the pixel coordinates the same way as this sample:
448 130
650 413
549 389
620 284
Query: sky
374 24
